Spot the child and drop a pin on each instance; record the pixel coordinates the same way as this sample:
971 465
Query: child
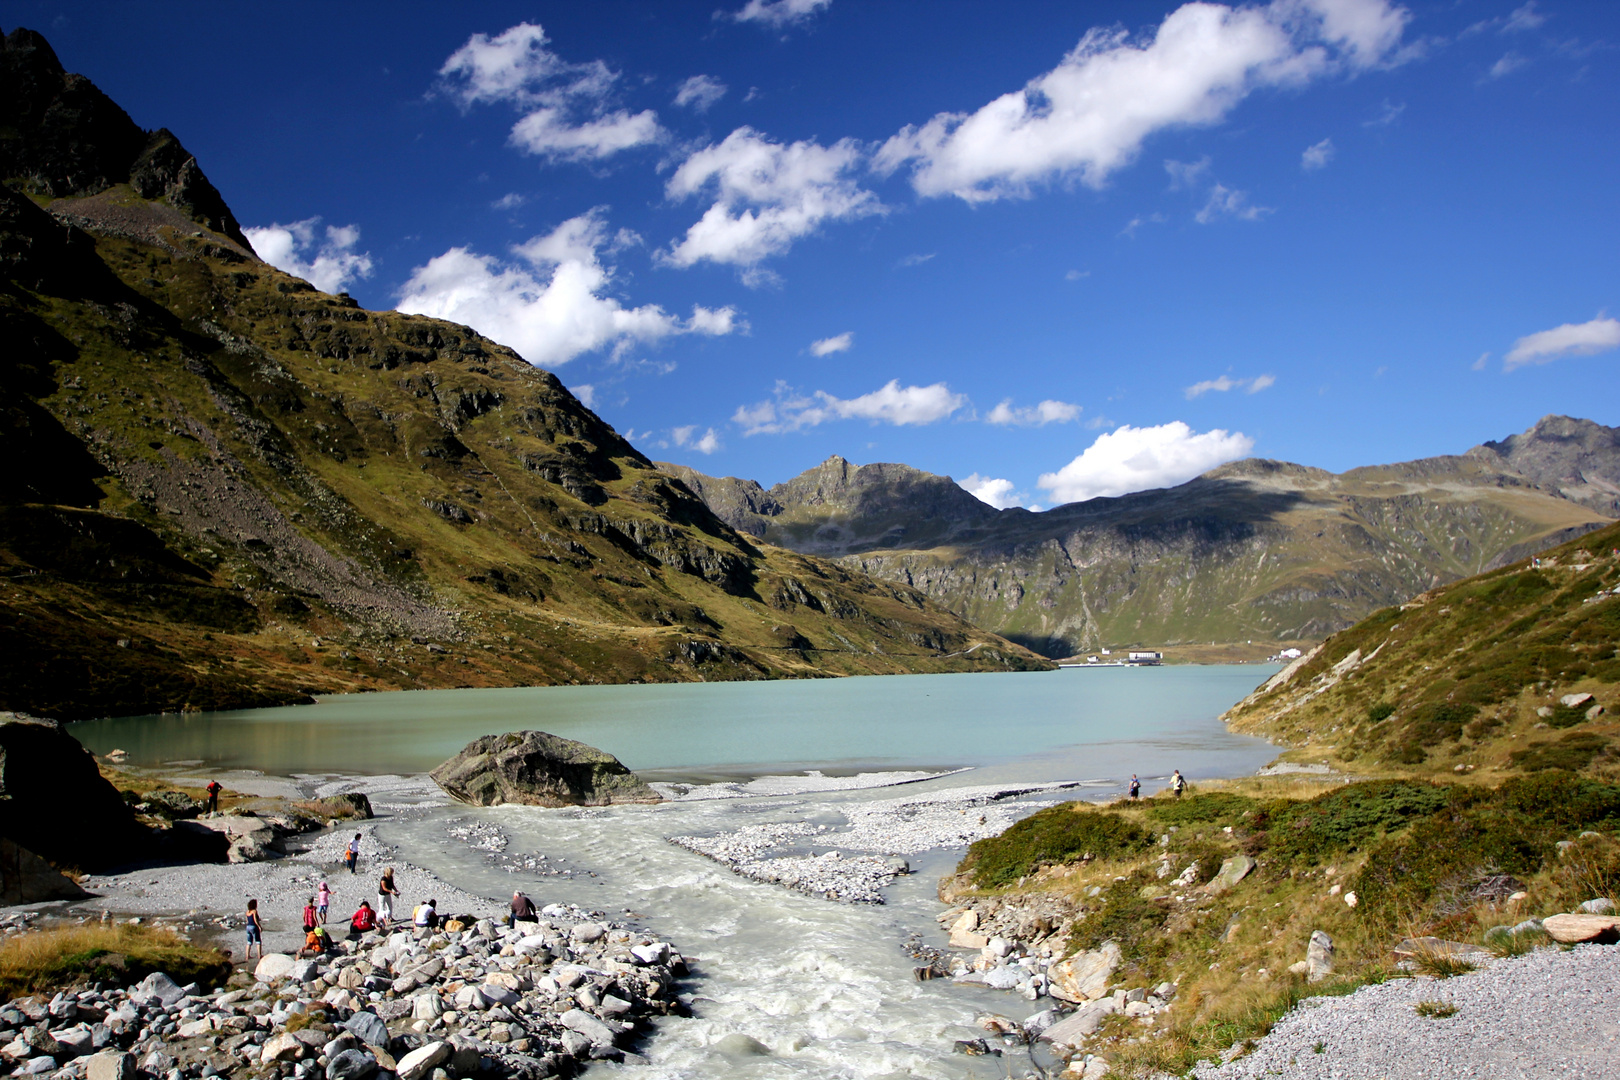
309 915
255 930
323 898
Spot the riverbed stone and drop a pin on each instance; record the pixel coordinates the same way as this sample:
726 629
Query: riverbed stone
110 1065
273 966
739 1045
423 1060
1574 929
587 1025
1084 976
535 768
350 1065
1081 1024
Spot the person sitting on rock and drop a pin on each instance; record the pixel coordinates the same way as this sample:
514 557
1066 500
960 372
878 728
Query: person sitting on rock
523 909
363 920
316 942
427 915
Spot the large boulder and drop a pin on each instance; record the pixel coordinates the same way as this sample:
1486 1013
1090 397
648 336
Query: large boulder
26 878
1084 976
55 803
1574 929
533 768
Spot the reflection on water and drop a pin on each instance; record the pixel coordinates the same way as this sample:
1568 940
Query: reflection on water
1059 725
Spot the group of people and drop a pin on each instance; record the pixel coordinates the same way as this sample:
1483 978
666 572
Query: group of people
1178 784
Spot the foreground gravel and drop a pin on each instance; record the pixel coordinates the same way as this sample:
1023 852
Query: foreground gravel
1549 1014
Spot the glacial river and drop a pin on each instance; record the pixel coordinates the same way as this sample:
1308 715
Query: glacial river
825 986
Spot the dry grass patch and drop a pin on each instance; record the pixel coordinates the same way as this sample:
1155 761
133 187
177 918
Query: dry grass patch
46 960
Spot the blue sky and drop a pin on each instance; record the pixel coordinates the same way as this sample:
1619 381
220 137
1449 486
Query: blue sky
1063 249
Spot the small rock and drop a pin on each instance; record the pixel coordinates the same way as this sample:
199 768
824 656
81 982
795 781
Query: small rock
1600 906
422 1061
1319 956
282 1046
1574 701
368 1027
1232 871
350 1065
273 966
587 1025
1594 712
110 1065
1574 929
739 1045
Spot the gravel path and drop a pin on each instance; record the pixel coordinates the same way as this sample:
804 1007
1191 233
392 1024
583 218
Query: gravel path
1549 1014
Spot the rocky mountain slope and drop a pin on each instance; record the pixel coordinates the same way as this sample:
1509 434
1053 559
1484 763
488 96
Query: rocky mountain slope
1255 550
1513 670
226 488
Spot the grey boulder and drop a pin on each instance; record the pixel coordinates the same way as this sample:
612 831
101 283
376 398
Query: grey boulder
534 768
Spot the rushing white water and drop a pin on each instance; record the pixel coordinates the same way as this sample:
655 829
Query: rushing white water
826 987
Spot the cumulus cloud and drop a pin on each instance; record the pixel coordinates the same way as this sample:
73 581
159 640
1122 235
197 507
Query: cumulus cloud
510 201
1131 459
1226 382
778 13
1047 412
1224 202
1089 116
1317 156
767 196
828 346
995 492
891 403
1571 339
688 438
567 117
323 257
700 92
550 302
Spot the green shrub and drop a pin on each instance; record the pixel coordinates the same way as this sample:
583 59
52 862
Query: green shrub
1572 753
1125 917
1438 721
1381 711
1217 807
1345 819
1058 834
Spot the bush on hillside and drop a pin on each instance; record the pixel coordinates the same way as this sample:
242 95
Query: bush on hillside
1058 834
1345 819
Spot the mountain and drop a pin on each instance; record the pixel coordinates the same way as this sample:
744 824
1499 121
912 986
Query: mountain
1255 550
225 488
1472 675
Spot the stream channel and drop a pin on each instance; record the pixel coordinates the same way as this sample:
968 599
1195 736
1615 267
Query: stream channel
826 986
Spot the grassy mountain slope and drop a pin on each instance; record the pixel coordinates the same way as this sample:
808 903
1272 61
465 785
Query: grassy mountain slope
1257 549
1466 677
227 488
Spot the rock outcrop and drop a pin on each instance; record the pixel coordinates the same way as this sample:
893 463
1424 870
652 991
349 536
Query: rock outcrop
533 768
55 803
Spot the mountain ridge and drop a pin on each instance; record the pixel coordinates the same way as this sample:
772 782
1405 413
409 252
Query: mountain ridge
236 490
1252 550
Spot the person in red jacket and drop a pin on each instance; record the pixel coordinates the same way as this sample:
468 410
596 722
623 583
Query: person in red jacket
363 920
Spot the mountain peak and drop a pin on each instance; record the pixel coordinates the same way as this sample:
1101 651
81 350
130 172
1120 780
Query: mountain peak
68 140
1578 459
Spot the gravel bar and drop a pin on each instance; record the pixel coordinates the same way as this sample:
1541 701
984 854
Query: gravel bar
1552 1013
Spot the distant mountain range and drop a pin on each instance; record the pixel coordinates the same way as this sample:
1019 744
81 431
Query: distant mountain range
224 488
1255 550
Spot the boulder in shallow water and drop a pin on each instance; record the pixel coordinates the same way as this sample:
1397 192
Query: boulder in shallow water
533 768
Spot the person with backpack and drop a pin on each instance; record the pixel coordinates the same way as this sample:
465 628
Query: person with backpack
1178 783
1136 787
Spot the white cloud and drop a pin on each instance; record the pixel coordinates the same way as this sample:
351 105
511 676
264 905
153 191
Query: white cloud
778 13
687 437
1089 116
1076 275
1224 202
329 263
548 133
1131 459
1226 382
1388 113
917 260
889 404
510 201
995 492
828 346
1186 174
1317 156
568 117
1523 18
1137 222
1479 365
587 395
550 304
1571 339
700 92
769 195
1047 412
1510 62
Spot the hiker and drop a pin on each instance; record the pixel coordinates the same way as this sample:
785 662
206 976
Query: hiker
213 790
1136 787
323 899
354 852
523 909
385 897
363 920
316 942
426 915
1178 783
310 916
255 930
